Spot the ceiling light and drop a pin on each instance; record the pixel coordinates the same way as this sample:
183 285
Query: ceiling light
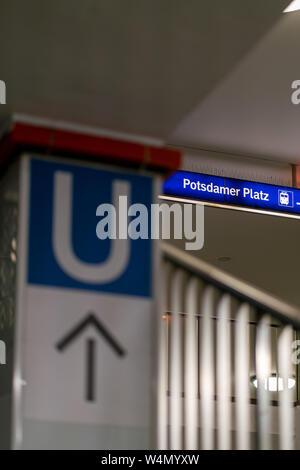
274 383
293 6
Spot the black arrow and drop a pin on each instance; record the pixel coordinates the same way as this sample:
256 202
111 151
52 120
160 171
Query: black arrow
90 320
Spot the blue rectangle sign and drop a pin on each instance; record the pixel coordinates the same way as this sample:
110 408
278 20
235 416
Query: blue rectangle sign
233 191
64 250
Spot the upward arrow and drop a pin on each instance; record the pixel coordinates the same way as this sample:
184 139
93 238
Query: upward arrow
76 331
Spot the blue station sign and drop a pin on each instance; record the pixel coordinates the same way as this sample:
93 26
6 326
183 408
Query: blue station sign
231 191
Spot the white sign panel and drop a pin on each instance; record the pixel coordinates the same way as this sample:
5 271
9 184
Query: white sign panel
85 310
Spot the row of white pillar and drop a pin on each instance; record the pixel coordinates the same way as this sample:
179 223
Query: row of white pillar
197 375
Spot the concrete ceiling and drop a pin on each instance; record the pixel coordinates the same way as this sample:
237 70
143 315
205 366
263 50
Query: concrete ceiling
137 66
250 110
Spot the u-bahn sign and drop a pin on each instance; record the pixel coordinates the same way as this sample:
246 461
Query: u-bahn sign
233 192
85 309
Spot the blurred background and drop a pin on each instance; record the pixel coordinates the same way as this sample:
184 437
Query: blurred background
210 80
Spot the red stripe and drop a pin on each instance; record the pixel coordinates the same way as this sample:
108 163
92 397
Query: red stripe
97 147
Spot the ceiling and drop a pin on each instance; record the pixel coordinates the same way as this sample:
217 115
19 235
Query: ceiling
250 110
145 67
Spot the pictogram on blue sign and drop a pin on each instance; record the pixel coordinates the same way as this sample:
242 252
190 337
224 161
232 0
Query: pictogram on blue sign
64 250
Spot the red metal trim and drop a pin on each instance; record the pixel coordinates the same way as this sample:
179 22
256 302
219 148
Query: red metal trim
23 135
